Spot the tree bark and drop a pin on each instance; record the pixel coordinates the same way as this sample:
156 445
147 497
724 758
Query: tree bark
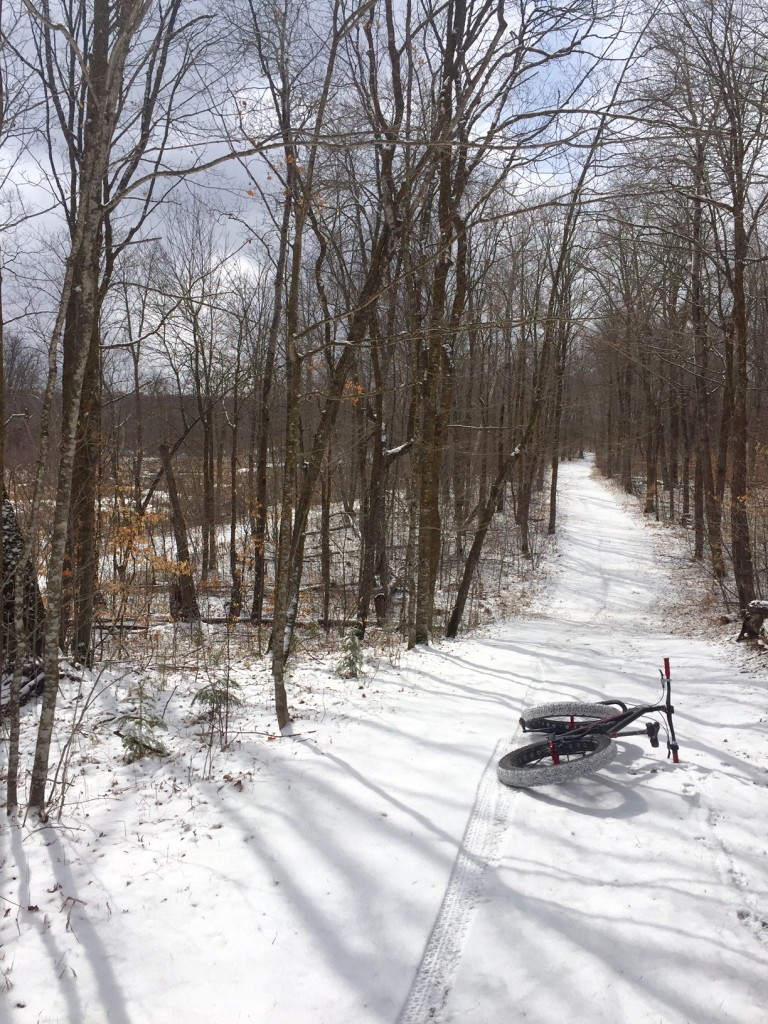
105 88
183 596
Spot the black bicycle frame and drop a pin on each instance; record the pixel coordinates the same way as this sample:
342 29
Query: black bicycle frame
617 724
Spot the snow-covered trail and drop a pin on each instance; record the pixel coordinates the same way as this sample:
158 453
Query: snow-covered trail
372 870
637 894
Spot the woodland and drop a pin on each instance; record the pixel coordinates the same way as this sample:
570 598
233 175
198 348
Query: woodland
303 303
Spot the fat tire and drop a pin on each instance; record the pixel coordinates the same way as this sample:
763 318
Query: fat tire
540 717
532 766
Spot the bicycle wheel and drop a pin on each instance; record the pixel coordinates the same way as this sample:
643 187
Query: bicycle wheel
533 765
558 718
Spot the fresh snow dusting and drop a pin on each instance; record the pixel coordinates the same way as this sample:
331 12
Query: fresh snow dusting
370 868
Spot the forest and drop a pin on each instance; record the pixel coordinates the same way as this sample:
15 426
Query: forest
303 303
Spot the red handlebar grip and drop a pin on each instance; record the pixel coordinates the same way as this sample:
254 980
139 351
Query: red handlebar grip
666 667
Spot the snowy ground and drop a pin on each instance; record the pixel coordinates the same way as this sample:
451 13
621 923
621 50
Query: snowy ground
371 869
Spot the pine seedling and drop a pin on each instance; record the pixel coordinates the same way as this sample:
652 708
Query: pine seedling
139 726
217 700
350 665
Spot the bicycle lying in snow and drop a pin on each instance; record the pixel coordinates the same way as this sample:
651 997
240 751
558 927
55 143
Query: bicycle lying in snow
580 737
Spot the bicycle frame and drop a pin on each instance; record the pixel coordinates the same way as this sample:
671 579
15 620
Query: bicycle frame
618 724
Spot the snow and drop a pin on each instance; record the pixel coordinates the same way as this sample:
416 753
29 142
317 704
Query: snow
370 867
392 453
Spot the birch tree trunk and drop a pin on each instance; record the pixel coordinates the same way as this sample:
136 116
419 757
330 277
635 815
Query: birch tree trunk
104 95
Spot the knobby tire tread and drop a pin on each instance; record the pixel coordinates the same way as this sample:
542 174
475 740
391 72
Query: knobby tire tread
531 765
536 719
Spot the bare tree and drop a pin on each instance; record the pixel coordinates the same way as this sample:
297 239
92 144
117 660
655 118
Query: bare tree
113 79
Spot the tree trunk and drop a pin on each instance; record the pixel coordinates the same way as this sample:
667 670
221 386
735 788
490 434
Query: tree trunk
183 597
22 630
626 413
236 576
325 544
741 551
712 507
262 445
698 510
105 78
557 417
83 519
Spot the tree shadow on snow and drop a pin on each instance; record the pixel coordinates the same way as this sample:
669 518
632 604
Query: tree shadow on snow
596 796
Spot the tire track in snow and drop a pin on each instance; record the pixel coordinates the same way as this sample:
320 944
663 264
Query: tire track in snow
480 845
